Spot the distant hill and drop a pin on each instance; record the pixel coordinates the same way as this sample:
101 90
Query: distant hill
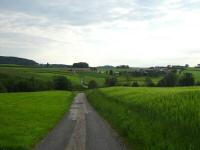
17 61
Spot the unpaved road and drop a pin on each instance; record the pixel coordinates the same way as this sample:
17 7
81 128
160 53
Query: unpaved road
82 129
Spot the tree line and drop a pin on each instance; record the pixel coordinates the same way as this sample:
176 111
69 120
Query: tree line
170 79
13 84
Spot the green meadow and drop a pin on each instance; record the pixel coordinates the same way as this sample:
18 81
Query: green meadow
25 118
152 118
195 72
141 80
47 74
40 73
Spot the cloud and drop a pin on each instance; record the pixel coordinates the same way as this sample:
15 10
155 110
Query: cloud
135 32
77 12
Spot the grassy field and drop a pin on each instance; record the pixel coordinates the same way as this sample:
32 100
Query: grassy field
25 118
152 118
141 80
40 73
195 72
47 74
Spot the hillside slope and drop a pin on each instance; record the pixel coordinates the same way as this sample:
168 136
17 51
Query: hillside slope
17 61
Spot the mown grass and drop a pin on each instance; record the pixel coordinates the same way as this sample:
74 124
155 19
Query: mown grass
25 118
152 118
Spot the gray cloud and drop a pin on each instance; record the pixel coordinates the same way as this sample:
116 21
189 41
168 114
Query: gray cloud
78 12
25 38
71 11
29 26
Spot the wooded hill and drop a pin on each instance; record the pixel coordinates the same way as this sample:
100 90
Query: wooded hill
17 61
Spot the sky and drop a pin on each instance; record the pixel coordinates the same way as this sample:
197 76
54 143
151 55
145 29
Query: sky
139 33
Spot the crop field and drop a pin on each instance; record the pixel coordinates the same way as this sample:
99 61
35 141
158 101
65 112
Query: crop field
152 118
25 118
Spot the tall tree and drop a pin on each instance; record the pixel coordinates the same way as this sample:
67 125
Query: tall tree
170 79
187 79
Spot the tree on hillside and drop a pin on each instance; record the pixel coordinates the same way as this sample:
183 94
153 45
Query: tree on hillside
92 84
81 65
30 84
22 85
2 88
128 76
187 80
111 72
62 83
170 79
48 65
149 82
135 84
111 81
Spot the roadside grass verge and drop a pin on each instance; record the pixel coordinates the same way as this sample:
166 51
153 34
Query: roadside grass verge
152 118
25 118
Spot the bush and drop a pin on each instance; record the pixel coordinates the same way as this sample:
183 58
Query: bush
198 83
149 82
22 86
126 84
92 84
169 80
37 84
31 84
135 84
62 83
111 72
110 81
187 80
7 80
2 88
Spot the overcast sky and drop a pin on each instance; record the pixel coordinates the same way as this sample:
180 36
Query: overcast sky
101 32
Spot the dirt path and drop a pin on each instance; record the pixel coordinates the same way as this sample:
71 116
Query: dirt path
82 129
